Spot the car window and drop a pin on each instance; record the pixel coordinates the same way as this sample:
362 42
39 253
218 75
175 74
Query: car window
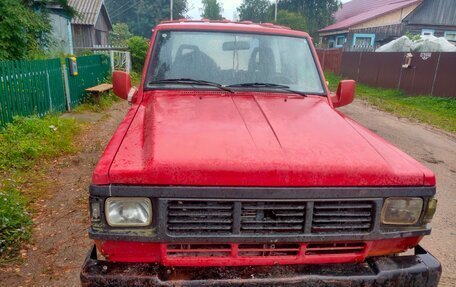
235 58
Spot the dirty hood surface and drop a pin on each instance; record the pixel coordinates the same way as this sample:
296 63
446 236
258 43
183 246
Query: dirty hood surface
254 140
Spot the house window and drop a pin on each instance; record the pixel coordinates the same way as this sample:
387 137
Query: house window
340 41
363 40
427 32
450 36
331 43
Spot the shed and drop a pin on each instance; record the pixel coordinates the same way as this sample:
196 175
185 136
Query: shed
61 30
92 25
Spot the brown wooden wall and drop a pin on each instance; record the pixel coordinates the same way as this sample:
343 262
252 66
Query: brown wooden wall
330 59
429 74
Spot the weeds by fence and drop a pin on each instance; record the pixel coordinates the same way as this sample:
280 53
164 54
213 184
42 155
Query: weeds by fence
38 87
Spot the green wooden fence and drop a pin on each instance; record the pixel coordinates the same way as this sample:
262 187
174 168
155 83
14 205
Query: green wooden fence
38 87
30 87
92 70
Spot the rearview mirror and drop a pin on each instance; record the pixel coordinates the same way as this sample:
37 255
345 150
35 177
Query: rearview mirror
345 93
121 82
236 46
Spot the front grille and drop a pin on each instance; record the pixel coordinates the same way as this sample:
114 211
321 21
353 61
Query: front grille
273 217
342 216
198 250
335 248
200 217
262 218
268 250
248 250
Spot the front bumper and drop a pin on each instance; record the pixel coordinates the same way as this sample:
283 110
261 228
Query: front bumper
421 269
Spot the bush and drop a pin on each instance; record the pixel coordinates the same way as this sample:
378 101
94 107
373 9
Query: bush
25 28
138 47
15 222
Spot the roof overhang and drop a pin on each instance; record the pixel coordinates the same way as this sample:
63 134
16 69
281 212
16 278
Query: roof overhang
330 33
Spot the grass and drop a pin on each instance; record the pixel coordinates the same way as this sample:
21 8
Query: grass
25 146
90 105
435 111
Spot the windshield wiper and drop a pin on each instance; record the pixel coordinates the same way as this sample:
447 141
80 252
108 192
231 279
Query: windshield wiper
185 81
267 85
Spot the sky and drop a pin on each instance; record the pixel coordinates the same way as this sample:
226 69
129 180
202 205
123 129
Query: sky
229 8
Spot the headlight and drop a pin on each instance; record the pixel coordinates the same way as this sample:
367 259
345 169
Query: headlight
402 210
126 211
430 210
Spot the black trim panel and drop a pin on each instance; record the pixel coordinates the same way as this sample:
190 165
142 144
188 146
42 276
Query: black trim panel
292 193
160 196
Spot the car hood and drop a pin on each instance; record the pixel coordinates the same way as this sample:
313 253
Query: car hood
215 139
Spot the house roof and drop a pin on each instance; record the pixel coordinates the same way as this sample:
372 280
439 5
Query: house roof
355 7
361 11
88 11
434 12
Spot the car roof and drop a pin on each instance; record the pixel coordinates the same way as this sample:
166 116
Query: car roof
226 25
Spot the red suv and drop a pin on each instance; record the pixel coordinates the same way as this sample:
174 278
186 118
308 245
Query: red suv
233 168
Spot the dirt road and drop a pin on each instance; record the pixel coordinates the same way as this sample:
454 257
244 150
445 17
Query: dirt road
437 151
60 240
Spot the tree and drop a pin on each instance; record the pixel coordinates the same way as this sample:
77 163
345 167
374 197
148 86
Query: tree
120 34
319 13
212 10
138 48
25 29
255 10
142 16
293 20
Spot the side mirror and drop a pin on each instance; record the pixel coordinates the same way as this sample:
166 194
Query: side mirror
121 82
345 93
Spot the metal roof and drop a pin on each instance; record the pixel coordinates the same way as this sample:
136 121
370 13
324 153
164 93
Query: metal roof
88 11
355 7
356 15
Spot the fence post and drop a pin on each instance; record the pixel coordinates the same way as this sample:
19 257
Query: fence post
67 88
435 74
128 61
111 55
49 91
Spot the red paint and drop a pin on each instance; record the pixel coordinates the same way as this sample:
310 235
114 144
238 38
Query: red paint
345 93
248 139
253 139
120 251
121 84
211 138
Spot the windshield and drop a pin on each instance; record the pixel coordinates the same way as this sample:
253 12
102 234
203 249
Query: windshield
231 59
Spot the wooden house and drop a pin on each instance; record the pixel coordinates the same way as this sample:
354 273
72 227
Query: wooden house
61 30
366 24
435 17
91 27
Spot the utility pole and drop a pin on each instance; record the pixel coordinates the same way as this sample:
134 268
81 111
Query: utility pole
171 7
275 14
